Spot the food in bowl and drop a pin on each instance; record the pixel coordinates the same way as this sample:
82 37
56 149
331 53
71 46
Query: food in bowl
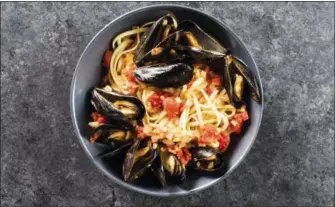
170 98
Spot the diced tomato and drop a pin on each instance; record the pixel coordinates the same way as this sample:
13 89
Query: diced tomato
184 156
209 89
95 136
140 132
98 117
224 141
209 134
107 59
236 125
157 99
172 107
244 116
237 122
216 81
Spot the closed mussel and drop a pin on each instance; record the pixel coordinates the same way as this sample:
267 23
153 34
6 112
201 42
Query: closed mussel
115 105
174 75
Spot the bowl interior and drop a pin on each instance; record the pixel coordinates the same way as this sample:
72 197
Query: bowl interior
88 75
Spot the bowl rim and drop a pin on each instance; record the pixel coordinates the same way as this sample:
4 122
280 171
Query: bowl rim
129 185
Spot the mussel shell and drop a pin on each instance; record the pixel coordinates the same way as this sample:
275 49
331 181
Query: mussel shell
103 103
169 169
151 37
206 41
106 129
115 146
138 159
205 159
241 68
165 56
174 75
118 148
198 54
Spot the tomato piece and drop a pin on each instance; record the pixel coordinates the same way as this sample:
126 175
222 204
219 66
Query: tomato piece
140 132
172 107
237 122
94 137
107 59
184 155
224 141
157 99
209 134
209 89
98 117
216 81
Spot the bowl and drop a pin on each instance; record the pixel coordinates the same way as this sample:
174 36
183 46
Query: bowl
88 74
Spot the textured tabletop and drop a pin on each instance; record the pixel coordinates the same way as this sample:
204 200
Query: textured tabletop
291 162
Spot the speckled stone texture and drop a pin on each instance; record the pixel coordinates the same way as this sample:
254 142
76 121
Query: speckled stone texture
291 163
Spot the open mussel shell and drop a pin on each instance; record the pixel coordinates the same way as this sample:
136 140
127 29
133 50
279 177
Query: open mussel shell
228 82
116 106
115 137
161 53
169 169
139 159
205 159
203 39
155 34
108 133
174 75
241 68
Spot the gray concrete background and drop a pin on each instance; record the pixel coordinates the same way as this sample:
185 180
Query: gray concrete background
291 163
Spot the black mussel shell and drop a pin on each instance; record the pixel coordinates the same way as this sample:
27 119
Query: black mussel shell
169 169
174 75
116 149
109 133
241 68
116 136
152 36
105 103
138 159
164 53
205 41
198 54
205 159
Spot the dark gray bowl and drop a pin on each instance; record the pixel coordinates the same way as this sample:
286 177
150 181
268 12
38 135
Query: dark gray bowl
87 75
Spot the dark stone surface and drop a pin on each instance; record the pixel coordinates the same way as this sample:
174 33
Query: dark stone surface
291 163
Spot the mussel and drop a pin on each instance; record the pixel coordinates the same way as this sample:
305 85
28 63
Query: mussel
169 169
155 34
242 69
139 159
194 34
235 76
174 75
205 159
117 106
163 51
115 136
